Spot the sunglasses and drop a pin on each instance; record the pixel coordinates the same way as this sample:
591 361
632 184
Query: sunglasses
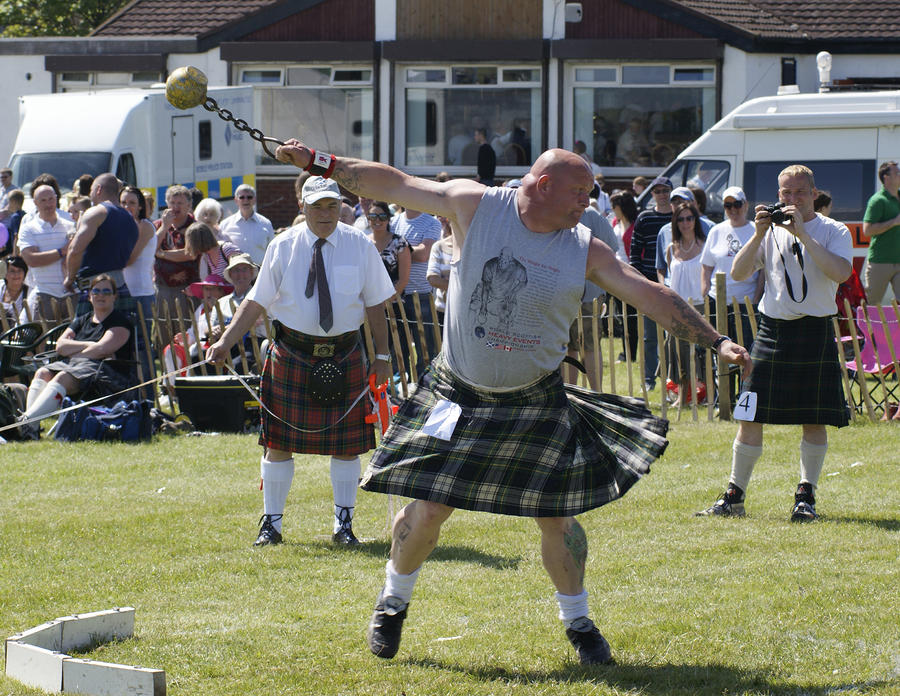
658 191
737 205
245 198
102 291
378 216
686 218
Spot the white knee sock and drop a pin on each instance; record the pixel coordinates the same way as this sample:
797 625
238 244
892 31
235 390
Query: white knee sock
277 478
35 388
397 585
742 462
344 483
812 457
47 401
572 607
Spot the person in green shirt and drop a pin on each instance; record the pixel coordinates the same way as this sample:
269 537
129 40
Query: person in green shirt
882 224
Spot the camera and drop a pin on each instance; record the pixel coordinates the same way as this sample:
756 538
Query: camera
778 216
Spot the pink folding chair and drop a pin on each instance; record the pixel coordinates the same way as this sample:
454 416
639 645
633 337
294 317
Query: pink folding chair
876 357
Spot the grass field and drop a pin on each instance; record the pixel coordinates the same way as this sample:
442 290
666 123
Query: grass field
689 605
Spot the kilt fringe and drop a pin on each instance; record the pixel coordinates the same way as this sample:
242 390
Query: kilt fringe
546 450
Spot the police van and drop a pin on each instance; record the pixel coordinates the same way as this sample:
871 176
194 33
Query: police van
137 135
842 136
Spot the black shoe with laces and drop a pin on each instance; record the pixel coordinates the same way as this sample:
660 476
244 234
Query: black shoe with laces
386 625
590 645
268 535
731 504
344 535
804 509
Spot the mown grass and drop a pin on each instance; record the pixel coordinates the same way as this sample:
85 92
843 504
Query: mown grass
690 606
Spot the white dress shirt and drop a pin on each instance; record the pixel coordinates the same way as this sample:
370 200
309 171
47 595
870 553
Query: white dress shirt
251 236
356 279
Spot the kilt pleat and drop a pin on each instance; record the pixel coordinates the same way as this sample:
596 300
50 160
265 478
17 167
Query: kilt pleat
796 374
283 389
546 450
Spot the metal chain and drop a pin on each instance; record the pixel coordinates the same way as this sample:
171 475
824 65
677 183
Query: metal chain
241 125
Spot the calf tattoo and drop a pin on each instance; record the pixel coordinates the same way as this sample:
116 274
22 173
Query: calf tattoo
576 542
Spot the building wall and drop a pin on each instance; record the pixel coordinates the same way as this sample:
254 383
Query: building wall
463 19
335 20
19 76
610 19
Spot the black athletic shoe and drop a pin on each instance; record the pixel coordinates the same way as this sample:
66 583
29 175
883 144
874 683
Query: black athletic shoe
731 504
268 535
385 627
590 646
804 509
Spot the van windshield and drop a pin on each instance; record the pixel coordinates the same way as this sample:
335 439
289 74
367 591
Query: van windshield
65 166
850 183
711 176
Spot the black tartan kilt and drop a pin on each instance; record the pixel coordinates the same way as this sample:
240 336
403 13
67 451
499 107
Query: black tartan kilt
546 450
796 374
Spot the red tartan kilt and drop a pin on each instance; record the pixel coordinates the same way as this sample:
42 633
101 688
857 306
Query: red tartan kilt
284 391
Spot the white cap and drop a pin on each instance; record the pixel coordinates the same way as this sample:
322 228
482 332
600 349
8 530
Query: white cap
317 187
735 192
682 192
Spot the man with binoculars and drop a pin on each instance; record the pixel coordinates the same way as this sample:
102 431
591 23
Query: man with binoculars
796 377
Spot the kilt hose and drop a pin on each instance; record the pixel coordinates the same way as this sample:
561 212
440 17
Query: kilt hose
283 389
546 450
796 374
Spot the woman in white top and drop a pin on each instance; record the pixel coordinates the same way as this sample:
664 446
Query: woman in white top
683 260
138 271
725 240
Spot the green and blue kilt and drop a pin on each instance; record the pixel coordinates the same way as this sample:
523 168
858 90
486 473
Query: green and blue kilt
284 390
796 374
546 450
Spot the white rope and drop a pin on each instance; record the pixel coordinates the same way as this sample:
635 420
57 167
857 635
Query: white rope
81 404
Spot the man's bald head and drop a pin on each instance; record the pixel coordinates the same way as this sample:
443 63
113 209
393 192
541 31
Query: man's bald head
106 187
555 191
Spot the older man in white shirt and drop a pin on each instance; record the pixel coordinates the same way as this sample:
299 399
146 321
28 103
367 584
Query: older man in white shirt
318 281
246 229
44 243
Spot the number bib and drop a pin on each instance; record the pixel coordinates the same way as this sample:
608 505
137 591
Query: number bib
745 409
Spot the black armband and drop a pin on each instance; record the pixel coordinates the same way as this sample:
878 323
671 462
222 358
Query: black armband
719 341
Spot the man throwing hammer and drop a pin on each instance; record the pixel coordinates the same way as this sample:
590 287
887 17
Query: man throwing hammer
491 426
318 281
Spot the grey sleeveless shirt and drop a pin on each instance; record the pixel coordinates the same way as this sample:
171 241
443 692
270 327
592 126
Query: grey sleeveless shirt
513 295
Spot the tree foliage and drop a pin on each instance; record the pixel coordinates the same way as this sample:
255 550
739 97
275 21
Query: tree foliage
54 17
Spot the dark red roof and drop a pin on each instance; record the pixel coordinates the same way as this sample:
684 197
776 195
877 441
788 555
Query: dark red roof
179 17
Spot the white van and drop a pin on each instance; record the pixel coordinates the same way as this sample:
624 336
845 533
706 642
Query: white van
139 136
842 136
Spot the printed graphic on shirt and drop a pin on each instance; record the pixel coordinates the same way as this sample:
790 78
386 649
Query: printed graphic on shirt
734 244
504 315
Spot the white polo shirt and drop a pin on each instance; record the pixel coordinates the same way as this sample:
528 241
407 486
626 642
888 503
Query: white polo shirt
44 236
251 236
356 279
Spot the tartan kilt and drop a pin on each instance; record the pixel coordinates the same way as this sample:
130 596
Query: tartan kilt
283 389
796 374
546 450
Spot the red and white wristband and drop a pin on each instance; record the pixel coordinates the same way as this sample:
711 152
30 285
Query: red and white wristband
321 164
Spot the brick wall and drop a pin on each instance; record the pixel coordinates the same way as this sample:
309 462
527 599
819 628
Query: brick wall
276 200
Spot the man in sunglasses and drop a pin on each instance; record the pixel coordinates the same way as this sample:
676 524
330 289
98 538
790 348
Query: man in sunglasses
246 229
491 426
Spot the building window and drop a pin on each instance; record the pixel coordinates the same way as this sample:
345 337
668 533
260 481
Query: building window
638 116
331 107
95 81
443 105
